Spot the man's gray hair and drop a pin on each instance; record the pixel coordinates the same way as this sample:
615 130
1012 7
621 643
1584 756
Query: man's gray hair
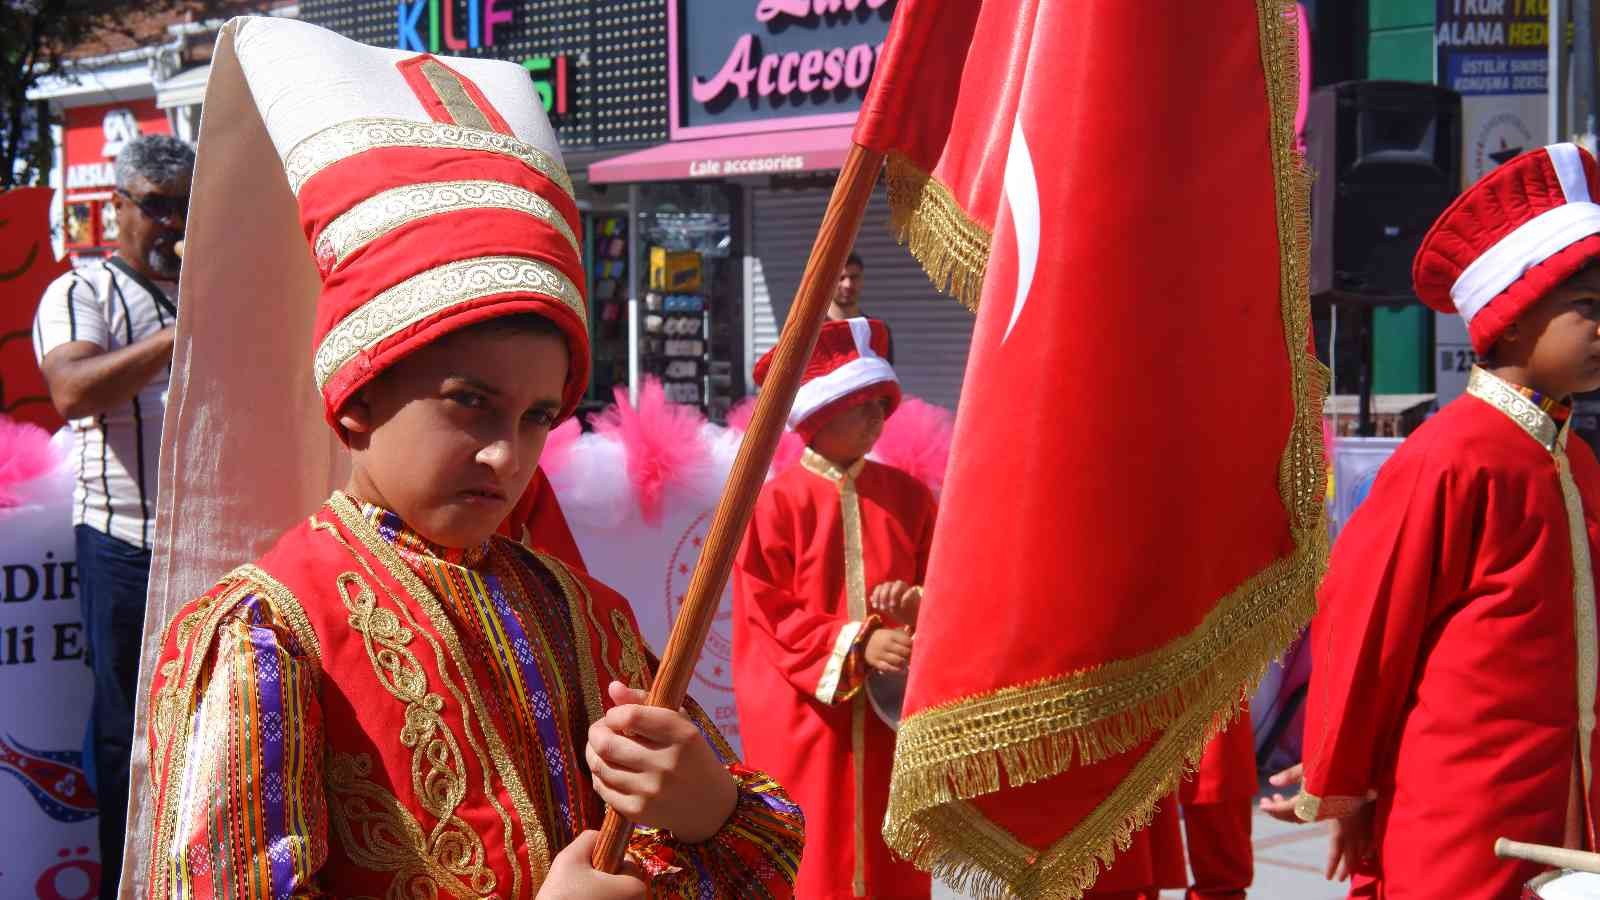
160 158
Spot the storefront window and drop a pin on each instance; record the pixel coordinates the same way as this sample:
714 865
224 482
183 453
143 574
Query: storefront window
606 252
690 268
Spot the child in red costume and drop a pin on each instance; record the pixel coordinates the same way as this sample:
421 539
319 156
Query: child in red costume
1454 695
394 700
831 540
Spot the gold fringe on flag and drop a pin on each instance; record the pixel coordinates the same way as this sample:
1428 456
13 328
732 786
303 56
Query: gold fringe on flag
1180 695
952 247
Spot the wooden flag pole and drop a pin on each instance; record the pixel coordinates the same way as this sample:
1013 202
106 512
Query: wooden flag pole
834 239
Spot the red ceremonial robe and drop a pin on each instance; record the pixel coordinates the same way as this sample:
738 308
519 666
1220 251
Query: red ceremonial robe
1455 650
819 541
364 714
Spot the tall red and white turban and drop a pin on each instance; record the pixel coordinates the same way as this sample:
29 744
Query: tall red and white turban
1509 239
847 368
432 195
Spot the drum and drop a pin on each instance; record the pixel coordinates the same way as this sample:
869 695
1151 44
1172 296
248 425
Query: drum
886 692
1563 884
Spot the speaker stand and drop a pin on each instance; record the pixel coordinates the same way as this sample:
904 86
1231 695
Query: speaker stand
1364 424
1361 359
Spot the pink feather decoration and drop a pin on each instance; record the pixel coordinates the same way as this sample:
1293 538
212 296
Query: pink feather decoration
916 440
790 444
661 440
25 456
558 447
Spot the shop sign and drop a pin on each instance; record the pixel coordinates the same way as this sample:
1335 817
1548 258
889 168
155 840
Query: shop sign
436 26
436 20
581 57
551 83
94 135
1494 54
749 165
769 65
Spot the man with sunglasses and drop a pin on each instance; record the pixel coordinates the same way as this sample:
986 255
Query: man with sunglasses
103 336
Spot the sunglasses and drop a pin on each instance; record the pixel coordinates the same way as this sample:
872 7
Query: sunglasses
158 207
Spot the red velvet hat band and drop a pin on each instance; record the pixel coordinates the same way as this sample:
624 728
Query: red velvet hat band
410 250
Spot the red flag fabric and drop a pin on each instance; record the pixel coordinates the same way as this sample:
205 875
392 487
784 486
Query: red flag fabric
27 266
1132 520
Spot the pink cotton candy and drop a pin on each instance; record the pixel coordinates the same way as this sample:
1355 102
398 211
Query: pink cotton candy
916 440
790 445
661 442
25 456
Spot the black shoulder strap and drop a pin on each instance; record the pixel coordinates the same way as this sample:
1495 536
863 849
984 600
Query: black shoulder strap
156 293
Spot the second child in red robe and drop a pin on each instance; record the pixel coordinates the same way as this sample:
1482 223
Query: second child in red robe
1448 650
825 535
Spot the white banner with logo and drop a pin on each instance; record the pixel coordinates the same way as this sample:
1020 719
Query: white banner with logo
650 565
48 844
1494 55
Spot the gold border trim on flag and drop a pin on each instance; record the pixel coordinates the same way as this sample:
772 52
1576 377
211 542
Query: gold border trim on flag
435 290
945 755
388 210
346 139
1097 713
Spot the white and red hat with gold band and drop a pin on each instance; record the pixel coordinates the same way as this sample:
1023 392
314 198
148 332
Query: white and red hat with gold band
432 194
847 368
1509 239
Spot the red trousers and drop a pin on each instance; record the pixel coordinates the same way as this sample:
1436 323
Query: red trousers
1217 802
1218 843
1218 838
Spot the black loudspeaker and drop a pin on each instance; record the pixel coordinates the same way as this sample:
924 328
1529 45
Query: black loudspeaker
1387 158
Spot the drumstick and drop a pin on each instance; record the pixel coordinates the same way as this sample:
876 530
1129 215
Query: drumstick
1558 857
177 248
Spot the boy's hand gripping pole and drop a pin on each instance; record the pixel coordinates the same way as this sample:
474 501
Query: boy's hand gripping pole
834 239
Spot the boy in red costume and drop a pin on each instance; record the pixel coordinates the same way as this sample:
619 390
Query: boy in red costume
831 539
1454 694
394 700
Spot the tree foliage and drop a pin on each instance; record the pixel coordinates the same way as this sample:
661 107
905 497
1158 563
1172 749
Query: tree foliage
39 39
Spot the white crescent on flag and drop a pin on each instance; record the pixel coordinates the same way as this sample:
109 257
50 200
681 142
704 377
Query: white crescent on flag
1021 197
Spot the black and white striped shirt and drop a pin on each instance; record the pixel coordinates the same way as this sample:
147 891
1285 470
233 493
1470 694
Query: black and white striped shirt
107 303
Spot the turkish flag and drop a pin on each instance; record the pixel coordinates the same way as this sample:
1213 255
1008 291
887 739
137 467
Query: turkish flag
1131 527
27 266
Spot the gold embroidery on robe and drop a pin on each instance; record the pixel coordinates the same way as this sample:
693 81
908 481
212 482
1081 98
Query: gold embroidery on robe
380 834
635 671
497 759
